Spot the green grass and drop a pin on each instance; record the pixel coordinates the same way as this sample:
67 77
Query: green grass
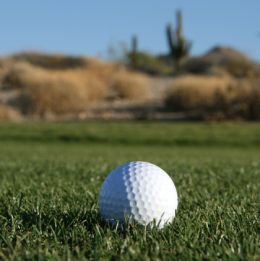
49 189
146 133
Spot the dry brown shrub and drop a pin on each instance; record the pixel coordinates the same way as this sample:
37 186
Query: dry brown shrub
63 91
105 71
242 68
7 113
19 74
215 98
188 92
58 92
130 84
241 102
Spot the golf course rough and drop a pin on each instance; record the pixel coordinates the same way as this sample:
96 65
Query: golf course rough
140 190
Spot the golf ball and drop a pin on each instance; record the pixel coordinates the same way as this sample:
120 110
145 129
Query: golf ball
140 190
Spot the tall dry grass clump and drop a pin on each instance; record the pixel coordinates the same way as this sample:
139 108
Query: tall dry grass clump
47 87
188 92
58 92
130 85
215 98
7 113
240 102
242 68
20 74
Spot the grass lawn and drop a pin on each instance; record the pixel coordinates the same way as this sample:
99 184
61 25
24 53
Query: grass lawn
51 174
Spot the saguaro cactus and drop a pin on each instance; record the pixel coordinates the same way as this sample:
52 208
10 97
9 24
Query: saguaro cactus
179 47
133 54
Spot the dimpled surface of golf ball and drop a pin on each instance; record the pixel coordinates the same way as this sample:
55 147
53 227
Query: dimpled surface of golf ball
142 191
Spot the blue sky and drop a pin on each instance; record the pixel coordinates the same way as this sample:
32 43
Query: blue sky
88 27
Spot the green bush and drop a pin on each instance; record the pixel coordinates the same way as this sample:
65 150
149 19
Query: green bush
148 63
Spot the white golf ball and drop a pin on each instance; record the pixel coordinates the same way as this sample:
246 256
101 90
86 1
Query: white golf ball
140 190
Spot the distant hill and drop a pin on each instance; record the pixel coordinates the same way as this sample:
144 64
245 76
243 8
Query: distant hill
221 59
219 55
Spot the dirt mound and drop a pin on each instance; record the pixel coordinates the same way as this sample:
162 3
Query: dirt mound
222 61
219 55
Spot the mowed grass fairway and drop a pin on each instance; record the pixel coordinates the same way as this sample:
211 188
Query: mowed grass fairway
51 174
